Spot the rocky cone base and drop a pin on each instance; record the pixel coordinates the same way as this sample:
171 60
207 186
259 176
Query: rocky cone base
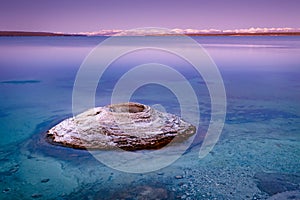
129 126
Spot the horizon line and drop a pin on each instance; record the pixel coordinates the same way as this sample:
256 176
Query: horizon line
161 32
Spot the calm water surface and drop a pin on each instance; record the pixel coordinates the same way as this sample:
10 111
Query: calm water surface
257 156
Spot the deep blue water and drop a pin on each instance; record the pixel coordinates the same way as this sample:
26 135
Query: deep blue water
257 156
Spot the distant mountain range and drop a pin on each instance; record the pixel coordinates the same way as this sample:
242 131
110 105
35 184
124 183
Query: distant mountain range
162 32
29 33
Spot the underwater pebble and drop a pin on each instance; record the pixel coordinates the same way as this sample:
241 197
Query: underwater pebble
180 183
184 186
6 190
30 157
14 169
36 195
45 180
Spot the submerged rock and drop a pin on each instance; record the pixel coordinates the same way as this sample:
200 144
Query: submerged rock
130 126
290 195
273 183
144 193
151 191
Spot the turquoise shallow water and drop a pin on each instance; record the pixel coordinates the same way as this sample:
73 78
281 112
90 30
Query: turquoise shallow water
257 156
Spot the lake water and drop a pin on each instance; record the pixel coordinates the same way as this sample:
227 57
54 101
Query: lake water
256 157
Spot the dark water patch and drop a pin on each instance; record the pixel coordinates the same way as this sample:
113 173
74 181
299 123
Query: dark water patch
39 143
3 114
59 110
237 116
273 183
20 81
198 139
133 191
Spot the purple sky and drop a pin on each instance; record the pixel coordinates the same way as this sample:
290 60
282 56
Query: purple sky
93 15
